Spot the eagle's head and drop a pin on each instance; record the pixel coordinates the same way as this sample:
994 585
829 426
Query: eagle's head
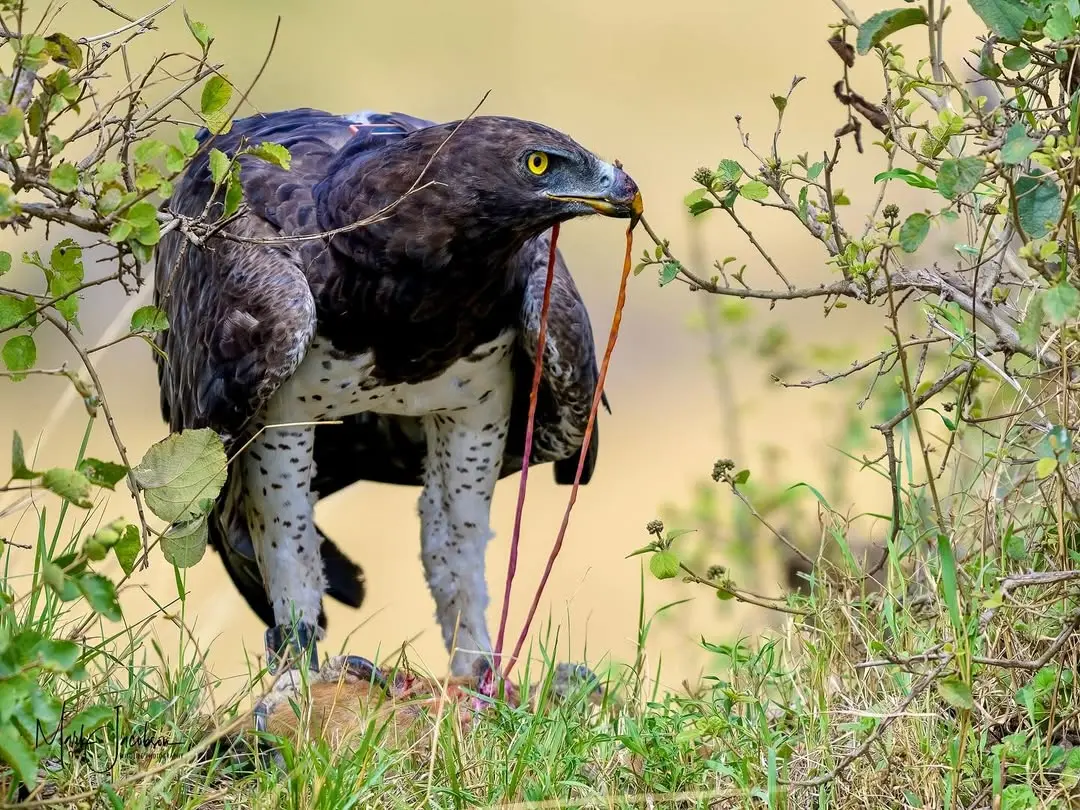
486 186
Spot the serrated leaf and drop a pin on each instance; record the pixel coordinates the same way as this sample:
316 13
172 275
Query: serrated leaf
108 172
180 471
1017 146
669 271
1061 303
66 276
189 144
729 171
215 95
64 177
219 166
1005 18
174 160
13 310
100 473
11 125
141 214
957 177
273 153
754 190
149 319
664 564
147 151
20 354
885 23
101 594
19 470
185 543
956 693
914 231
70 485
127 548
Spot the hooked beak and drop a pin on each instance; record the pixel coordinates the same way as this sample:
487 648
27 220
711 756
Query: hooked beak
618 195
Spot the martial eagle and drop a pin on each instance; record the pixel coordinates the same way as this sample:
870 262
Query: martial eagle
418 331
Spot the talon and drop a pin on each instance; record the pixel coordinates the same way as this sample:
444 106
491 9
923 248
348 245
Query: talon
278 640
366 670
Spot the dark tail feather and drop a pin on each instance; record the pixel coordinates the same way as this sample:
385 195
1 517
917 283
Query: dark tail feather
566 468
344 578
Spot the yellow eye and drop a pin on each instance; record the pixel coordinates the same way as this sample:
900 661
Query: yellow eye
537 162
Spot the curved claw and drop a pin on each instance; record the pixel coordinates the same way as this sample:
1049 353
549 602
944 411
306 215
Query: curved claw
366 670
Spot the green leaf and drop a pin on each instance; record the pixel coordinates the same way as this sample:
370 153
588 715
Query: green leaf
148 151
914 231
1045 467
199 31
11 125
20 354
18 754
664 564
219 165
1018 797
1061 303
70 485
185 543
754 190
149 319
1031 327
64 177
959 176
816 169
101 594
215 95
780 102
741 477
908 176
19 470
189 144
127 548
729 171
1061 24
1005 18
102 473
5 262
57 655
1016 58
120 231
272 153
949 585
884 23
66 276
1017 146
234 195
669 271
141 214
1038 203
174 160
9 205
13 310
956 693
89 720
180 472
67 52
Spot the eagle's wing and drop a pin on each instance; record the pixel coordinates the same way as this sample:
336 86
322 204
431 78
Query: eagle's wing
242 315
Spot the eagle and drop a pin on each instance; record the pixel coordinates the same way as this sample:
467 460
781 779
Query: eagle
386 280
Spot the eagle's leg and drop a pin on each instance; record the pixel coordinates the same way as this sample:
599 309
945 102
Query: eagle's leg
465 450
277 469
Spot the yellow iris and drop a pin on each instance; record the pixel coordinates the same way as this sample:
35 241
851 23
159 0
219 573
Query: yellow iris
537 163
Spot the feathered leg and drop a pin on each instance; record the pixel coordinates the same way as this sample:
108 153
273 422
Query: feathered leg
280 514
465 451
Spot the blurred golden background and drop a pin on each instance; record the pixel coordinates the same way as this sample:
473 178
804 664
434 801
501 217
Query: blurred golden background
656 85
